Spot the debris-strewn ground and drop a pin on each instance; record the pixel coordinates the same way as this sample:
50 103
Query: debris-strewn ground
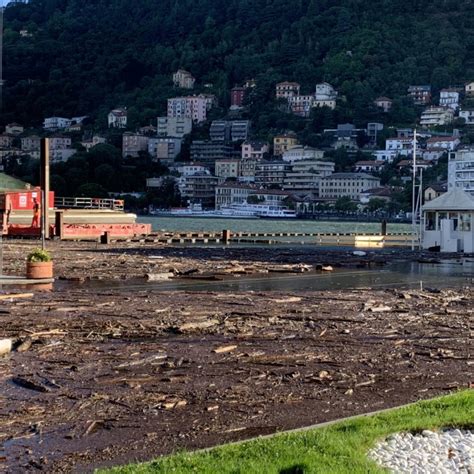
122 261
108 377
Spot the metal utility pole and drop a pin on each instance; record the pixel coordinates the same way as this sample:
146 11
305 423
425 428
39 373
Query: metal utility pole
44 184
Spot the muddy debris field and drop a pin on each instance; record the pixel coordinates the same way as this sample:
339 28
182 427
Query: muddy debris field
106 377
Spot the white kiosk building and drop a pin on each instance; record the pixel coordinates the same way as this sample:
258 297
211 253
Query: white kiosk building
448 222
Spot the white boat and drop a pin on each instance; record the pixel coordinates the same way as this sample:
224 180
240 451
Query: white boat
234 211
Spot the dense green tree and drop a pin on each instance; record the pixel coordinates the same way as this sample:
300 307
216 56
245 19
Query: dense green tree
83 57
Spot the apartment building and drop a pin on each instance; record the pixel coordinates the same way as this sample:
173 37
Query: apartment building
228 194
183 79
237 97
227 168
437 116
461 170
193 107
298 153
133 144
421 95
164 149
285 90
254 149
118 118
282 143
207 152
305 175
352 185
176 127
449 98
271 173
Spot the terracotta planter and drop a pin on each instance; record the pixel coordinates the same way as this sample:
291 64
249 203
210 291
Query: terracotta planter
39 270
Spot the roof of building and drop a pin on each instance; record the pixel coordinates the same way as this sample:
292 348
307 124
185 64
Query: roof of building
9 182
383 99
275 192
403 163
438 187
442 139
454 200
350 176
370 163
287 83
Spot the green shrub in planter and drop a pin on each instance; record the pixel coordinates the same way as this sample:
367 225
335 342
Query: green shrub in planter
38 255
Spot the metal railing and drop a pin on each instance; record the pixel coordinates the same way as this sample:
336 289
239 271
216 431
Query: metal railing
88 203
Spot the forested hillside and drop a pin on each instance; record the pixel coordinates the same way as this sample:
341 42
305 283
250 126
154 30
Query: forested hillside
78 57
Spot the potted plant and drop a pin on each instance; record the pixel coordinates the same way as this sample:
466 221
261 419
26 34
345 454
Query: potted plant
39 265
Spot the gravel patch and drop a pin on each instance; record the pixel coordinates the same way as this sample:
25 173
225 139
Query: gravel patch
445 452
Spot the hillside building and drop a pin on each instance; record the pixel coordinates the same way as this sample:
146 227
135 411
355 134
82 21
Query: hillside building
352 185
176 127
436 116
183 79
117 118
285 90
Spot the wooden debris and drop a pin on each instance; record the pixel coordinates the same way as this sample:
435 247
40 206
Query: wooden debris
25 345
15 296
197 325
224 349
30 384
147 360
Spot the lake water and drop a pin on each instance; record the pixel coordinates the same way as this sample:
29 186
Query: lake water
204 224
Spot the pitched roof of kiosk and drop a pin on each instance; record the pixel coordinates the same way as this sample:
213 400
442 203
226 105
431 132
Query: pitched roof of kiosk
454 200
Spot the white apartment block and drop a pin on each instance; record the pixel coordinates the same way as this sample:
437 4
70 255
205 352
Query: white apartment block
388 156
449 98
461 170
56 123
352 185
469 89
436 116
117 118
306 174
468 116
190 169
401 146
325 92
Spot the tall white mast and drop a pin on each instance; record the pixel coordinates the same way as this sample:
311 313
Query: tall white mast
413 201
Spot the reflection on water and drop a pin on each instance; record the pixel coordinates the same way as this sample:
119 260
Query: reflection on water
450 274
196 224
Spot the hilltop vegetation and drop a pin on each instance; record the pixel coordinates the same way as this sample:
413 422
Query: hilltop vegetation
83 57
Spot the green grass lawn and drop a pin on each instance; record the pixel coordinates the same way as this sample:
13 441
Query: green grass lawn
339 448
